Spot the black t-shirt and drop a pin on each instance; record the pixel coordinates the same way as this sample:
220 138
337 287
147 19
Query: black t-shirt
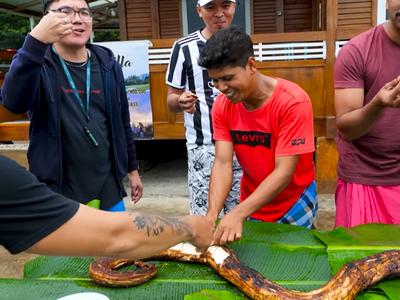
29 211
87 170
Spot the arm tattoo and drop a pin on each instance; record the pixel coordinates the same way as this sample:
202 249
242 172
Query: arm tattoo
155 225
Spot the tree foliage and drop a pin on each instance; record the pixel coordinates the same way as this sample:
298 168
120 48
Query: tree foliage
13 30
137 80
106 36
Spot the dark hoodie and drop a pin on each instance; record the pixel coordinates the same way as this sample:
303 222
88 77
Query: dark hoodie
31 86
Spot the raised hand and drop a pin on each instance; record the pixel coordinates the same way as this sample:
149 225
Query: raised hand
52 28
187 101
389 95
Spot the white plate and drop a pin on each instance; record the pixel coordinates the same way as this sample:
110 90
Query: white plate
85 296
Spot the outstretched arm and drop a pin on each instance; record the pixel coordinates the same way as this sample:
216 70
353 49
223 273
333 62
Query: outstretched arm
271 187
230 227
133 235
35 219
221 178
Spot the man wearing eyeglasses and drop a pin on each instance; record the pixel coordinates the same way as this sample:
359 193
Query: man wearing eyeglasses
81 143
367 101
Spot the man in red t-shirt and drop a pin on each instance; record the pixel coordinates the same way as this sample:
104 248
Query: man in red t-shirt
367 95
268 123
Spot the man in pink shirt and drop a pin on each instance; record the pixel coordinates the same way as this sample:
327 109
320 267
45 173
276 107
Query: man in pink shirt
367 98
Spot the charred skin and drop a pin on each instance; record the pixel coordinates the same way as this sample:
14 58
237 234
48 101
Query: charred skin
104 272
348 282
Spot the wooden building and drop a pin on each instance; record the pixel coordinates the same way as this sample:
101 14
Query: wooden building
293 39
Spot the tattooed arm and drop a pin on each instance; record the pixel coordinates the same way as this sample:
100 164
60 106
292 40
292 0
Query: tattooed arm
135 235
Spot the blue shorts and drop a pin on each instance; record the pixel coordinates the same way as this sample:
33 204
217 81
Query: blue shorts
120 206
304 212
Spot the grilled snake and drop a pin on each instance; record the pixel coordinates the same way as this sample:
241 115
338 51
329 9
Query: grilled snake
350 280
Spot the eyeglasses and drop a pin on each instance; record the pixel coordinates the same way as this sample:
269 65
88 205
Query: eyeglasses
85 14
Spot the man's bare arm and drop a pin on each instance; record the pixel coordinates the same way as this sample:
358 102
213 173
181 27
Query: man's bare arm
230 227
179 100
172 99
274 184
133 236
353 118
221 178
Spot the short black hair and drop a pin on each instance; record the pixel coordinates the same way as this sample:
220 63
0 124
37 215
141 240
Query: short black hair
229 47
46 4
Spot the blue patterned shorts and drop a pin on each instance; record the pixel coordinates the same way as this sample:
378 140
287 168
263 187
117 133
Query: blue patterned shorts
304 212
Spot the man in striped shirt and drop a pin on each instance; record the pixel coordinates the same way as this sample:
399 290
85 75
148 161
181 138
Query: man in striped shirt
191 90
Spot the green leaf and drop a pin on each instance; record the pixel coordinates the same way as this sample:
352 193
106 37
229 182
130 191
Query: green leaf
94 204
371 296
293 257
391 288
345 245
214 295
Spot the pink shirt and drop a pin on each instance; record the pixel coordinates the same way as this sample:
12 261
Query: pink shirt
369 61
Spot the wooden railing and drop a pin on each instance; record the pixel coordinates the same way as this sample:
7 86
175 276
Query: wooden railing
267 47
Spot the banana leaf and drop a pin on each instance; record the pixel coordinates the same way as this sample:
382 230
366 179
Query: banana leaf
391 288
214 295
293 257
345 245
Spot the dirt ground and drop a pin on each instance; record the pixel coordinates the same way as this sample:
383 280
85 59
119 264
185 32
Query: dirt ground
165 193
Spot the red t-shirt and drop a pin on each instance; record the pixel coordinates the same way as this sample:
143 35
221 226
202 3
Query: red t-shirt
369 61
282 126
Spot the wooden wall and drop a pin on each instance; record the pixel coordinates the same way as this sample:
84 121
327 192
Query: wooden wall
355 13
150 19
264 17
299 15
271 16
169 12
161 19
138 19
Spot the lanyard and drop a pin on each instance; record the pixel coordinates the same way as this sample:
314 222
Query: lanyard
71 82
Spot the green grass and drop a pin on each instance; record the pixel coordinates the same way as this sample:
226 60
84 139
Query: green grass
139 86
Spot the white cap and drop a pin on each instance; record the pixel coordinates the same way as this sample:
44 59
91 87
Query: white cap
204 2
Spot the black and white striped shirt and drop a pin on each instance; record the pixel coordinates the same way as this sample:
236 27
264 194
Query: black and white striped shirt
184 73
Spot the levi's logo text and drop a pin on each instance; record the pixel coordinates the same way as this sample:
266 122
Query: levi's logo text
251 138
298 142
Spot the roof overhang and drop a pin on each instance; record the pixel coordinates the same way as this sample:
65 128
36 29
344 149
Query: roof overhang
105 11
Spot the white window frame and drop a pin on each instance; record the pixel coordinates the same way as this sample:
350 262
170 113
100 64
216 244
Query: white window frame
185 19
381 12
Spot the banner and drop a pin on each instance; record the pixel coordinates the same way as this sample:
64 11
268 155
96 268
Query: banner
133 57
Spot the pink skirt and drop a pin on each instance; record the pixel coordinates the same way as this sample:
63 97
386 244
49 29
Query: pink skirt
359 204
